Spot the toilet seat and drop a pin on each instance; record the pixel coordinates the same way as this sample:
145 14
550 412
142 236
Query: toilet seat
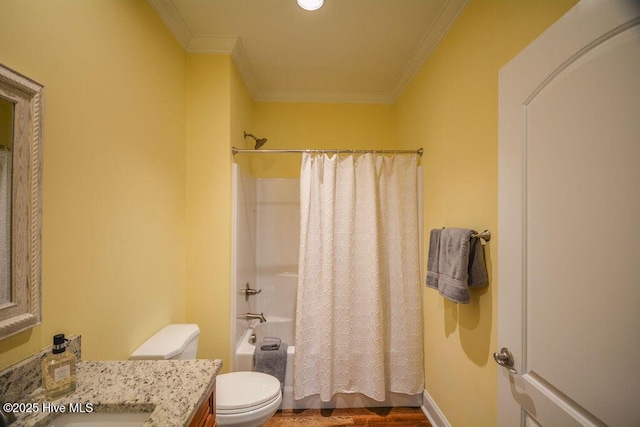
238 411
241 392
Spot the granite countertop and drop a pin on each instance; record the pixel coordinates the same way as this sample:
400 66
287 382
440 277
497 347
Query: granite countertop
170 390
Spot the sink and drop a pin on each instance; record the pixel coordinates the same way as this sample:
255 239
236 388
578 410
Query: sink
101 419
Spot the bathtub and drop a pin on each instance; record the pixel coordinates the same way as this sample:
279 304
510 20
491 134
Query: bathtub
284 329
281 328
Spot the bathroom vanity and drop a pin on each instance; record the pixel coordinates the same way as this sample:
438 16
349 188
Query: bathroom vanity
206 414
171 392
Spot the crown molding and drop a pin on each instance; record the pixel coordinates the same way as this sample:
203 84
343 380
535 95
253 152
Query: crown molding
324 97
447 16
212 44
241 60
173 20
232 45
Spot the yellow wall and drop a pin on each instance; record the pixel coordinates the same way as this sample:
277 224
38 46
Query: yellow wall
113 238
208 200
136 227
317 126
241 116
451 107
241 110
218 110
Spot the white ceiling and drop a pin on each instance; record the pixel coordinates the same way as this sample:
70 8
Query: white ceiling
347 51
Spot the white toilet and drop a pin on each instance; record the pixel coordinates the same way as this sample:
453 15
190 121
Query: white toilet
243 399
173 342
246 399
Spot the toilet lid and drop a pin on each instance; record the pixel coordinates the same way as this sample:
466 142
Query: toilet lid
241 390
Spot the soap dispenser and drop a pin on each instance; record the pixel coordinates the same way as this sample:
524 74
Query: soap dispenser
59 369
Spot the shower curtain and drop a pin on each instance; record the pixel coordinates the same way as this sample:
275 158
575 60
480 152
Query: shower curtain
358 315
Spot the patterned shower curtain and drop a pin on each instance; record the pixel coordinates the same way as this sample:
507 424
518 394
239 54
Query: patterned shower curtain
358 315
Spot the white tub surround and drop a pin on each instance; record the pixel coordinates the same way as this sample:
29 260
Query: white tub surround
265 215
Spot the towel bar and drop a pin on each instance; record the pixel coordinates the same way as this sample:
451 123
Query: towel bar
486 235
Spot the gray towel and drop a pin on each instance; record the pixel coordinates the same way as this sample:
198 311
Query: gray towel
270 343
478 276
432 261
272 362
455 263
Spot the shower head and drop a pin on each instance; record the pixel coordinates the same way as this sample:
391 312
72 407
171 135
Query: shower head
259 141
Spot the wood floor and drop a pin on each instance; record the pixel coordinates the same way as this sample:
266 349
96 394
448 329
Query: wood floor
378 417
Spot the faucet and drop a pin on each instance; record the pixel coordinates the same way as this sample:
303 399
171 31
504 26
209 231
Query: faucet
6 418
247 291
250 316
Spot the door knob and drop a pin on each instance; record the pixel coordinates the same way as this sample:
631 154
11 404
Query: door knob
505 359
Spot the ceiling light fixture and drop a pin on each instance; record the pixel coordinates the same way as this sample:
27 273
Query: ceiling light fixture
310 4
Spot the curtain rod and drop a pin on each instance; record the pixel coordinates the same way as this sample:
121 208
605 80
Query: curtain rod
235 151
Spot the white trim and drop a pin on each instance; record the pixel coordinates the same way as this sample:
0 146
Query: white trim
446 18
234 263
323 97
212 44
241 60
232 45
433 413
172 19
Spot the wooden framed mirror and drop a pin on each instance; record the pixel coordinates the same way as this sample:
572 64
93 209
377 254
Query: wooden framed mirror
21 113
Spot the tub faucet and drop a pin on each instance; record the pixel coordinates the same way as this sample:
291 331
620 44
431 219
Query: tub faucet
6 418
250 316
247 291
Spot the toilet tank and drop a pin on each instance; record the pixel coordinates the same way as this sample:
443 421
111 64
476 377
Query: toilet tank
177 341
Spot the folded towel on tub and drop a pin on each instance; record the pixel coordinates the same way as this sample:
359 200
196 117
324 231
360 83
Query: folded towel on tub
270 343
455 263
272 362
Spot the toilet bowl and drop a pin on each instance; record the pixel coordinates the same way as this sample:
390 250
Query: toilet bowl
246 399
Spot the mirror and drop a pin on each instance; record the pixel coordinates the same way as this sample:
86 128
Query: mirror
21 110
6 141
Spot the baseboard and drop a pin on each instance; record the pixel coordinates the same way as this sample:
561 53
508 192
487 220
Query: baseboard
433 413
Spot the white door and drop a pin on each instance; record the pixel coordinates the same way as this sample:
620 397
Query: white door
569 222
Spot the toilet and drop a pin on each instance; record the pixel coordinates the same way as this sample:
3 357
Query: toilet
246 399
243 399
173 342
